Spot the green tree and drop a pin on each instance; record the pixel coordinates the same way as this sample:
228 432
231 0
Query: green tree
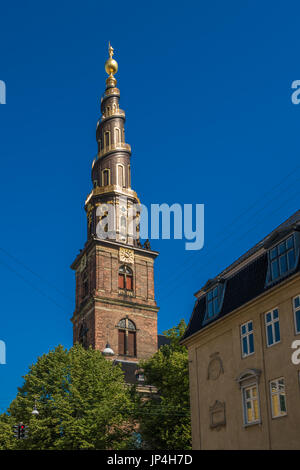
6 432
165 417
82 400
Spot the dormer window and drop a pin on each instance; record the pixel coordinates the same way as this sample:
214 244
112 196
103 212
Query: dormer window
214 300
282 259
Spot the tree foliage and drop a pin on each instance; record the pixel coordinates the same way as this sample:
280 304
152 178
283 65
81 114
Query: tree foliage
82 400
165 418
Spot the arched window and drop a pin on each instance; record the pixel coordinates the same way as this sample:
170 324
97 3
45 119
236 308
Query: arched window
127 337
120 176
117 135
129 177
107 139
125 278
105 177
85 285
82 336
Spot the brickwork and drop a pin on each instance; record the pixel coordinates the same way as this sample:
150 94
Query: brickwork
105 305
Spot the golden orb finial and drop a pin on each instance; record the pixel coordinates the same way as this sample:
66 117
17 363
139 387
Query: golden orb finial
111 65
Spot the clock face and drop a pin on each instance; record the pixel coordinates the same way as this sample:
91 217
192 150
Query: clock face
126 255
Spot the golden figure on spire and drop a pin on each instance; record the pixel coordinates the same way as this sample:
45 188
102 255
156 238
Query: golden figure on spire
111 65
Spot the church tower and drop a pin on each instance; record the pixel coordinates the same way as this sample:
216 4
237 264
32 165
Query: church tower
115 307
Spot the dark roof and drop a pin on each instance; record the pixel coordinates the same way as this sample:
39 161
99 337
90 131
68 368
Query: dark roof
129 369
244 285
293 219
162 340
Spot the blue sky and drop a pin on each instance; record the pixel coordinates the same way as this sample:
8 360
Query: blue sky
207 91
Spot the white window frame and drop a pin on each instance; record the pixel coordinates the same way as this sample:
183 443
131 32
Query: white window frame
277 393
295 310
244 402
272 322
246 335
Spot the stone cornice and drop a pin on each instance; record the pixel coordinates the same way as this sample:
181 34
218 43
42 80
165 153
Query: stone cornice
118 302
110 243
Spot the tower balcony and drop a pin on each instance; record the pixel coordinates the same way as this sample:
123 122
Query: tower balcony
112 147
109 92
116 113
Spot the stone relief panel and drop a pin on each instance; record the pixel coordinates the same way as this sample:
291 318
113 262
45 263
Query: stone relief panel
215 367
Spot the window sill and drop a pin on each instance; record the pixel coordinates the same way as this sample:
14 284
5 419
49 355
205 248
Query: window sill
280 416
249 425
129 293
248 355
274 344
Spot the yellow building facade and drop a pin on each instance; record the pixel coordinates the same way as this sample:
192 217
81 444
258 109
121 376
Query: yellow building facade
243 341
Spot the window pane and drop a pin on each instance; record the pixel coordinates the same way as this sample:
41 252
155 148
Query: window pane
283 264
122 342
274 269
131 343
131 325
249 413
282 248
275 405
275 313
291 259
210 309
209 296
245 346
250 326
297 315
129 283
277 331
256 414
215 292
251 343
268 317
216 306
297 302
269 335
121 281
273 253
247 393
282 403
243 329
290 242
